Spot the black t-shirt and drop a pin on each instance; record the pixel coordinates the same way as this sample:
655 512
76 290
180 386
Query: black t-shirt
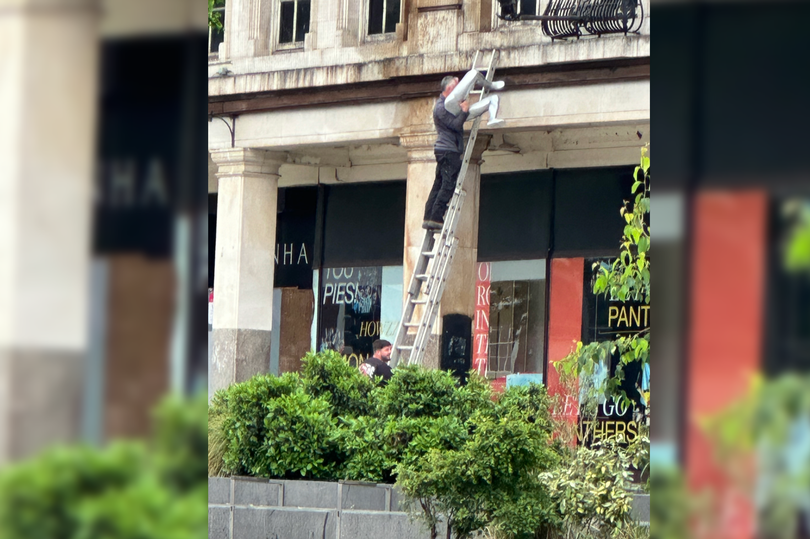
378 368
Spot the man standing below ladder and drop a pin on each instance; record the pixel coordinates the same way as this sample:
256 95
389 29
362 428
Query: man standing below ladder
451 111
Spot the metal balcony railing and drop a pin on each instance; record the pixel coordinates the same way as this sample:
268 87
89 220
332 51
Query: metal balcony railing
574 18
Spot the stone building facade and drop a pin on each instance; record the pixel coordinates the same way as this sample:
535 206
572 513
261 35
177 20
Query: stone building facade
335 98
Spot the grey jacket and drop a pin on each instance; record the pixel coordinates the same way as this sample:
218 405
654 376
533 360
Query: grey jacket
449 127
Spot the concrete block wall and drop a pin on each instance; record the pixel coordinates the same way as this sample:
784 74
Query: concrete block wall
252 508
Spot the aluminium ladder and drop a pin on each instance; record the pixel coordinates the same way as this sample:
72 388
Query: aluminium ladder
435 257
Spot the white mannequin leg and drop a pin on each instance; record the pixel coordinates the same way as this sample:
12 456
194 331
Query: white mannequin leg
464 87
490 104
479 108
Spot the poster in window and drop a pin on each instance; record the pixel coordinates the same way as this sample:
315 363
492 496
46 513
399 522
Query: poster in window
604 320
350 311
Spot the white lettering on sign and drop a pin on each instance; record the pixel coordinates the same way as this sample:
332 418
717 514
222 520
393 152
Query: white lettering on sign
287 252
481 333
122 184
126 186
155 189
339 293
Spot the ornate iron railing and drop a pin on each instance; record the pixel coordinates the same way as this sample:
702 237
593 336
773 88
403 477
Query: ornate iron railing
574 18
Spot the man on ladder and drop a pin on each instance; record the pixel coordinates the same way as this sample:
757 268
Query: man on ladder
451 111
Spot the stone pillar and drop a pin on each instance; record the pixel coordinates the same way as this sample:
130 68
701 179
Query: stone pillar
47 147
421 173
245 250
459 293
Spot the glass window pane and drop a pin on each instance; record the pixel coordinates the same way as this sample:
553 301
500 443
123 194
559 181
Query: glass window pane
302 23
375 16
286 33
528 7
218 35
392 15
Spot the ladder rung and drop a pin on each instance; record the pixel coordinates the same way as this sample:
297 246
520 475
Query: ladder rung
419 301
412 324
429 253
404 347
423 276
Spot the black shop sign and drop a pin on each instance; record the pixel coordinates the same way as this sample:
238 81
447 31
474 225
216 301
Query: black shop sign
605 320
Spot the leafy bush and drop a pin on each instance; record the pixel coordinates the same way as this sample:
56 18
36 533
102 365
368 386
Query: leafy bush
144 510
490 477
669 508
127 490
180 441
463 457
411 438
591 490
245 408
368 456
417 392
300 439
327 375
37 496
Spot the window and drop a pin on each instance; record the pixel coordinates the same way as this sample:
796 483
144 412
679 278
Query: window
383 16
509 324
216 27
528 7
294 21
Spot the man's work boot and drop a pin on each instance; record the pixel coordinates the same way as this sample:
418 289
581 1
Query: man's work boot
430 224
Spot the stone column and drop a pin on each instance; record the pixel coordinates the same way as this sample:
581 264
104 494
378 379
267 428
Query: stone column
421 173
47 147
459 293
245 250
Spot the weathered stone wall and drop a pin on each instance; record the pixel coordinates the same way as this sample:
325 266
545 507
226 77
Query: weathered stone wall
431 39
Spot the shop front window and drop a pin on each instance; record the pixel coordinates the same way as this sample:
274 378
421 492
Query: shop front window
510 318
358 305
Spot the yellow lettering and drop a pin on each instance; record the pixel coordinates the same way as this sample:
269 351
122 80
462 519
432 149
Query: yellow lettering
580 431
633 431
622 316
635 315
613 312
608 428
620 435
646 309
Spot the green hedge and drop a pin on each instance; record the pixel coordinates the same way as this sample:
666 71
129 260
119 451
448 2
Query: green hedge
127 490
460 453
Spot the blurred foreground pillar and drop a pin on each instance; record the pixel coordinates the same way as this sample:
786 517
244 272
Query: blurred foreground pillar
48 87
245 251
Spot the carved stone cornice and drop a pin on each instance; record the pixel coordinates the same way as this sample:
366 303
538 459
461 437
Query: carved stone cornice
419 143
247 162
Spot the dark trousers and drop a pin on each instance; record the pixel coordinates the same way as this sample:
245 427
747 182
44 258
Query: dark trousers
448 165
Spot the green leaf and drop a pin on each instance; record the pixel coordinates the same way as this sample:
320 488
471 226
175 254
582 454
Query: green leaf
643 244
636 185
